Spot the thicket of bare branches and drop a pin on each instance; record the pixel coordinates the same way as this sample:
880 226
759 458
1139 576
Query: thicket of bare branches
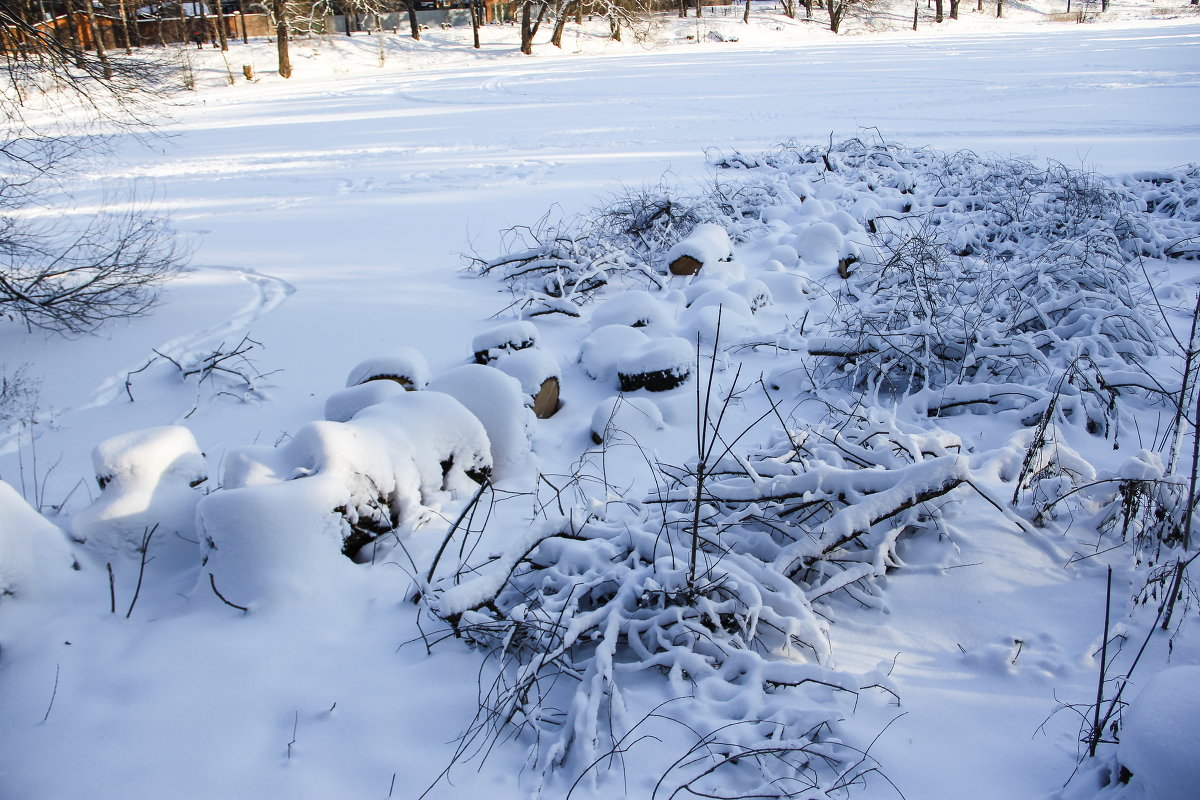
58 271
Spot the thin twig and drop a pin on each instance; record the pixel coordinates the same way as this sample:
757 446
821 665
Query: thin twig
213 583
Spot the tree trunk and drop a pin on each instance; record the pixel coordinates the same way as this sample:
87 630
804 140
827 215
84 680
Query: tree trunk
474 11
836 9
614 28
916 14
746 13
281 38
242 15
97 40
125 26
999 8
954 8
413 25
73 34
938 16
529 27
560 23
683 9
221 36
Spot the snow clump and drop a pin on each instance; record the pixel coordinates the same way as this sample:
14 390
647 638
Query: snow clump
625 417
146 479
405 366
636 308
1160 731
341 406
599 352
707 244
495 343
34 556
498 401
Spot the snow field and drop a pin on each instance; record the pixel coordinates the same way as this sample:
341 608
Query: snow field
294 193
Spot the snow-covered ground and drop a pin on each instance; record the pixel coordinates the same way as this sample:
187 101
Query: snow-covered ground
330 215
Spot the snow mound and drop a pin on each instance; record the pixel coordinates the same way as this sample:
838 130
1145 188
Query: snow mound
34 556
599 352
625 417
341 406
495 343
142 458
658 365
531 368
821 246
707 244
147 479
498 401
446 441
273 545
406 366
1160 732
635 308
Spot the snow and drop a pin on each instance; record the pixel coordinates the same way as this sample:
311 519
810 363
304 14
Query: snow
342 405
34 557
707 243
328 215
628 417
495 343
1158 739
498 402
405 365
604 347
147 479
531 368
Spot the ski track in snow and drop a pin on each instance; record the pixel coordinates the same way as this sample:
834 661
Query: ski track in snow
268 294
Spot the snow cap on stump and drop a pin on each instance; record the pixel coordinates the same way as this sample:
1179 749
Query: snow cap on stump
405 365
707 244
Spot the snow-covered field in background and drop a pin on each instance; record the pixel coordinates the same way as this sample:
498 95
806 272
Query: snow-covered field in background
329 215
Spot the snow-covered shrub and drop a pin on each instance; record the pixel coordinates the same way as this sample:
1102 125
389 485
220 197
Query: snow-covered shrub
146 479
826 505
497 400
985 284
34 557
607 601
405 365
560 265
502 340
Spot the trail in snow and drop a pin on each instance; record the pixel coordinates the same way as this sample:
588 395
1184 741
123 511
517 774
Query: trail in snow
268 293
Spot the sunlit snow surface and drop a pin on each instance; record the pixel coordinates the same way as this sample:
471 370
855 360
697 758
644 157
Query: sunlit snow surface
328 214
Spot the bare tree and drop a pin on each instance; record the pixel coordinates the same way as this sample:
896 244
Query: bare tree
281 38
57 272
413 25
